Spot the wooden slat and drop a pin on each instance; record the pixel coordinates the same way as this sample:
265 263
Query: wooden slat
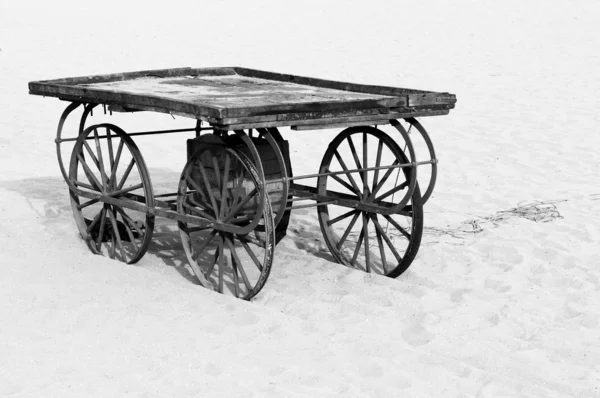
103 96
311 81
112 77
336 122
431 99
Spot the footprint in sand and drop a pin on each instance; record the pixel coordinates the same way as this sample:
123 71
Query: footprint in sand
496 286
212 369
417 335
457 295
494 319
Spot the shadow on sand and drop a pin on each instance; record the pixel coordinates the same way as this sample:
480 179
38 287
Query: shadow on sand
48 197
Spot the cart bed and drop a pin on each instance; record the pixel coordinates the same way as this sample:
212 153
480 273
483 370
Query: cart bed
237 98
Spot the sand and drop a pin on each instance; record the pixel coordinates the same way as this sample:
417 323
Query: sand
502 299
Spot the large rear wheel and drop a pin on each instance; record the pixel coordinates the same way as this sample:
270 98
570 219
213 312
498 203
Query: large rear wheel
221 189
382 233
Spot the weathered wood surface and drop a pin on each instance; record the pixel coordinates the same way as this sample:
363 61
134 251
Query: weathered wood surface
234 97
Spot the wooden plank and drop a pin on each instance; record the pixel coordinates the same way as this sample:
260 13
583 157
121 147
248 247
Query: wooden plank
103 96
294 117
314 106
350 123
339 122
311 81
298 103
246 98
291 116
340 125
431 99
163 73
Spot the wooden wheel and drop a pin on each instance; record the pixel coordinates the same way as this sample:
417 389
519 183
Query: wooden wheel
60 140
431 162
276 164
381 233
221 188
106 176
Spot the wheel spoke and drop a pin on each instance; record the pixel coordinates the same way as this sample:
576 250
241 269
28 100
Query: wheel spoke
238 264
210 269
198 189
221 265
92 155
116 234
377 163
115 166
93 223
85 185
386 238
383 180
113 247
397 226
126 174
363 174
381 250
125 190
198 212
90 173
217 170
111 155
357 248
353 150
392 191
224 186
236 287
251 253
101 231
129 221
195 229
344 183
208 186
342 217
366 237
88 203
349 175
241 204
348 229
127 229
100 160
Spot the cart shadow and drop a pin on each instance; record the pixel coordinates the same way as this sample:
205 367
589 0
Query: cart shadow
48 197
305 233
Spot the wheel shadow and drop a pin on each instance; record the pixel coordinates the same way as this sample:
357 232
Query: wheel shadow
305 233
48 197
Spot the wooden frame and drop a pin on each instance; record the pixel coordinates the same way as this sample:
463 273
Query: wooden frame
364 104
364 203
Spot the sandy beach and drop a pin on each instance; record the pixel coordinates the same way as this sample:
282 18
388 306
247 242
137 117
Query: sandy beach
501 300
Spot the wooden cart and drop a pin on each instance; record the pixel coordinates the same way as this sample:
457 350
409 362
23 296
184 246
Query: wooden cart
236 190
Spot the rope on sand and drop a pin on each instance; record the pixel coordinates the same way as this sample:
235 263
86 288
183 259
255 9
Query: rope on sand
537 211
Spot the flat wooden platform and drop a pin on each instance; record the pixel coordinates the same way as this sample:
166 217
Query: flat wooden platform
232 98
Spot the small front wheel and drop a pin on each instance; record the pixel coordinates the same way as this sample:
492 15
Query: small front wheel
111 193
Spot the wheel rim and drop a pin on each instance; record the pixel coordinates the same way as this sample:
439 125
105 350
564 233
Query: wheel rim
432 158
384 240
225 257
111 166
